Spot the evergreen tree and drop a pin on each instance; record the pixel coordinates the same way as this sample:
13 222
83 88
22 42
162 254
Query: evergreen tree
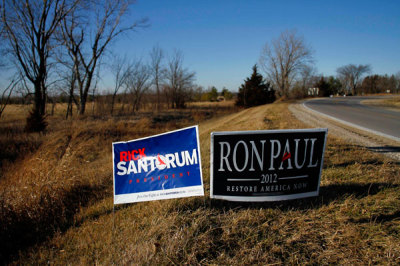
323 86
213 94
226 93
327 87
255 91
334 85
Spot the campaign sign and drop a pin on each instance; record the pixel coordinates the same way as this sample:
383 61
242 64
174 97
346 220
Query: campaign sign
164 166
267 165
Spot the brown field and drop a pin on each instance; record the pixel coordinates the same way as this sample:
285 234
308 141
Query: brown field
56 203
392 103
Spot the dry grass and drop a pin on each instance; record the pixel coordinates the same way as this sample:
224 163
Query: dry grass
393 102
61 196
227 103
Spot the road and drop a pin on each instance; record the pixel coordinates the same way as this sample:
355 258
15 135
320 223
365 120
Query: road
374 119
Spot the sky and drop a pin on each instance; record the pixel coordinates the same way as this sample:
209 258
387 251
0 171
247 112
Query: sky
222 40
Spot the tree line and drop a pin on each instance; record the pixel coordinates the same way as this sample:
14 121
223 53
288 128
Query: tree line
58 46
290 71
54 42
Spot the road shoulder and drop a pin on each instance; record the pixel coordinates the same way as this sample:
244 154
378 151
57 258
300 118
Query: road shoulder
376 143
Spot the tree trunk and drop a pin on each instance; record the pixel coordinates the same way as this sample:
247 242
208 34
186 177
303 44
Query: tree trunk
84 92
158 98
36 121
82 106
69 108
112 103
40 100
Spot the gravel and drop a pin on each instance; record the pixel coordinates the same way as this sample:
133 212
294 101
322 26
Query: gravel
379 144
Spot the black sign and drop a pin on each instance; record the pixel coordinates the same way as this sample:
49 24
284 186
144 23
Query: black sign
267 165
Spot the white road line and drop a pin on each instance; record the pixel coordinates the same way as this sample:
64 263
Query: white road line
353 125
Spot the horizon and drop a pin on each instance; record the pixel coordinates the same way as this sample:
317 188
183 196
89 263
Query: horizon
222 40
214 36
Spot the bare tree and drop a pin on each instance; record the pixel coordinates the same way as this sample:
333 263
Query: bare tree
350 75
28 28
157 70
24 90
179 80
88 36
5 96
284 58
71 84
2 37
137 83
95 88
67 82
397 77
121 70
307 76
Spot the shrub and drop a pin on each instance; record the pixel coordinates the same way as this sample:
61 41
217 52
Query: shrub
255 91
35 122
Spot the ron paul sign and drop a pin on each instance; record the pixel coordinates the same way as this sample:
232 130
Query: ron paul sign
267 165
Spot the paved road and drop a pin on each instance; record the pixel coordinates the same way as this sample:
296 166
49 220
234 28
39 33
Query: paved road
349 109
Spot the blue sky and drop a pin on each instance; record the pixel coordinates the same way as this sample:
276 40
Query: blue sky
222 40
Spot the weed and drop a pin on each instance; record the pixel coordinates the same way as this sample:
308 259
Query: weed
56 205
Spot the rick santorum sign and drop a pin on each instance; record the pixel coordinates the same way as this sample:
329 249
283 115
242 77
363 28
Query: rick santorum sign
158 167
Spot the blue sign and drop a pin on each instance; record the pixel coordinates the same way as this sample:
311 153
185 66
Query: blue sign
158 167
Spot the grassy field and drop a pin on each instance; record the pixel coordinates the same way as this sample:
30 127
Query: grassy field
56 203
393 102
